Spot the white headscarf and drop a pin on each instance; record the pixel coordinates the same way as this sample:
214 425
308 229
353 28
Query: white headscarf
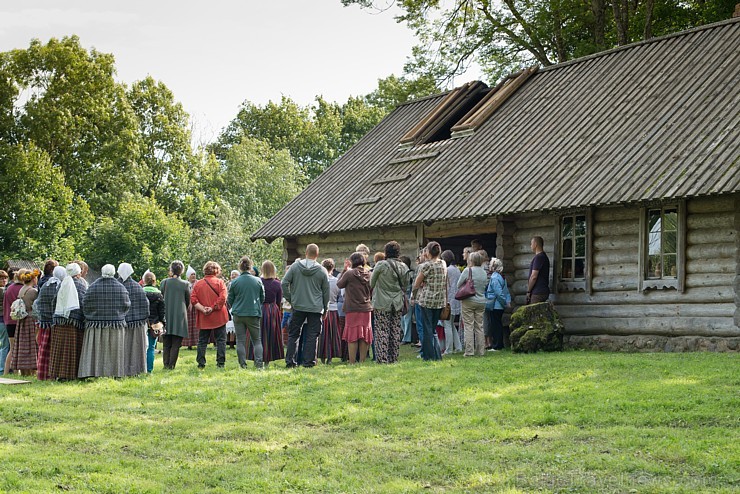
125 270
108 271
189 271
67 299
57 276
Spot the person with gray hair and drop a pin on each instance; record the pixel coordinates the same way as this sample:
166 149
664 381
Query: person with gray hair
473 307
498 298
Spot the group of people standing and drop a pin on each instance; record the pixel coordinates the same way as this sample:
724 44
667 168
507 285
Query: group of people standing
111 327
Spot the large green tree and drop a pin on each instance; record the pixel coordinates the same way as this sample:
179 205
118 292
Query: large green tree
64 100
502 36
40 216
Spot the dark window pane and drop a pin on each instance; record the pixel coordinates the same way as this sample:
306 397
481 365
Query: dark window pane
567 271
580 268
654 267
669 266
580 246
568 227
581 226
568 248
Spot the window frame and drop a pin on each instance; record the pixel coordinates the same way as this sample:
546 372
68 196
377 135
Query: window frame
644 281
574 285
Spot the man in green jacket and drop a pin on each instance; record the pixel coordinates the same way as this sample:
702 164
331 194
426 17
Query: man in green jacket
246 295
306 287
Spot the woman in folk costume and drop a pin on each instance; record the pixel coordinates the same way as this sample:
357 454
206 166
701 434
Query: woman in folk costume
69 325
176 294
271 330
135 333
45 305
105 306
191 339
23 353
330 340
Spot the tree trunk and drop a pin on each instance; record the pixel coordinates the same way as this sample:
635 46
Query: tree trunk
621 20
598 7
649 8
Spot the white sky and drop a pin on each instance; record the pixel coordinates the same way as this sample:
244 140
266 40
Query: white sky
215 54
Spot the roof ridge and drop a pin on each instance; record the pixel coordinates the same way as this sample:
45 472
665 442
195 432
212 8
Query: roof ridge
657 39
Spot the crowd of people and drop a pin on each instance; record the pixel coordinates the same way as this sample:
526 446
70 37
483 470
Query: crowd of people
58 326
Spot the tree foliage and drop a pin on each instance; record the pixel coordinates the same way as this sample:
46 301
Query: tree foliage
503 36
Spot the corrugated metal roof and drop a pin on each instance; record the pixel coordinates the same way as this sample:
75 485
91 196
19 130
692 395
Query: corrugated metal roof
655 120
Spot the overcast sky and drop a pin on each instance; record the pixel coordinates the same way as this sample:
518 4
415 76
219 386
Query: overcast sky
214 54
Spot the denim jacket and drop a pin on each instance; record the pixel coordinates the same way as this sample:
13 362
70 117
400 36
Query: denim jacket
497 293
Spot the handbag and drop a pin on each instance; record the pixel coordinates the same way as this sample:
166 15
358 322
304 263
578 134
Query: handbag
468 288
405 306
156 330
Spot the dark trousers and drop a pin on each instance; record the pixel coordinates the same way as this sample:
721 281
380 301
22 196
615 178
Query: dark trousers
428 333
203 337
312 330
496 323
171 350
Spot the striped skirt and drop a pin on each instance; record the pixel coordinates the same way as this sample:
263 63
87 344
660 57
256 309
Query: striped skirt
330 341
43 357
102 352
135 343
272 335
192 339
23 353
64 352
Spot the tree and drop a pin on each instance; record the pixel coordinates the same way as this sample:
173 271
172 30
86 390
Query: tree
503 36
40 217
141 233
166 154
65 100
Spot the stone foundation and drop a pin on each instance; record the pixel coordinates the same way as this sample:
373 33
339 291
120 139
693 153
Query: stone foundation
649 343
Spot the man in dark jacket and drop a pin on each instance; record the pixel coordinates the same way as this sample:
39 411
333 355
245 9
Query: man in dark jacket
306 287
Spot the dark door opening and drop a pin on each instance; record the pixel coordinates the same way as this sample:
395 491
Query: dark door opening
458 243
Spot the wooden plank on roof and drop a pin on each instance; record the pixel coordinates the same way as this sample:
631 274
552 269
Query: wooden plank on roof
413 157
492 101
366 200
391 178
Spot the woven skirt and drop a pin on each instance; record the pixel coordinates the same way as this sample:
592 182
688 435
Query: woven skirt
102 352
192 338
330 340
272 335
64 352
23 353
135 343
42 358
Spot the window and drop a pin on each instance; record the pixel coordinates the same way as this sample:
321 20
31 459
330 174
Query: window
573 248
573 252
662 252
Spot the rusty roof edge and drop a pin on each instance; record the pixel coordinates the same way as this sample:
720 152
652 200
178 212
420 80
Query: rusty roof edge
430 221
636 44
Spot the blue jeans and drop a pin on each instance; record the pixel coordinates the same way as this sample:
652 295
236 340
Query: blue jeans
419 327
406 326
150 353
430 342
4 346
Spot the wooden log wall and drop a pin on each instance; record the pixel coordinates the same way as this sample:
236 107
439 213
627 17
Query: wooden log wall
709 306
340 246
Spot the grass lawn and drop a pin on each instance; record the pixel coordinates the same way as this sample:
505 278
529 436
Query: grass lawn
567 422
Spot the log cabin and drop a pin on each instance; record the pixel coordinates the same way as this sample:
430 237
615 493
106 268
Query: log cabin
626 162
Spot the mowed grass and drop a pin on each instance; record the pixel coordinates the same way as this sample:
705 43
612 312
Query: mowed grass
567 422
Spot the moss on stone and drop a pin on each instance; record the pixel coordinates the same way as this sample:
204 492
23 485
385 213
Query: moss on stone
536 327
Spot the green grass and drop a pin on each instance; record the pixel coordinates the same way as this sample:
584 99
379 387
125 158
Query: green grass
567 422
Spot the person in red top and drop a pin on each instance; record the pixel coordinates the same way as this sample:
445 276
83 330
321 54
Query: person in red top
209 299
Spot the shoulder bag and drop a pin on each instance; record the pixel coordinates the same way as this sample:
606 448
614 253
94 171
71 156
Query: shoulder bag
405 306
468 288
